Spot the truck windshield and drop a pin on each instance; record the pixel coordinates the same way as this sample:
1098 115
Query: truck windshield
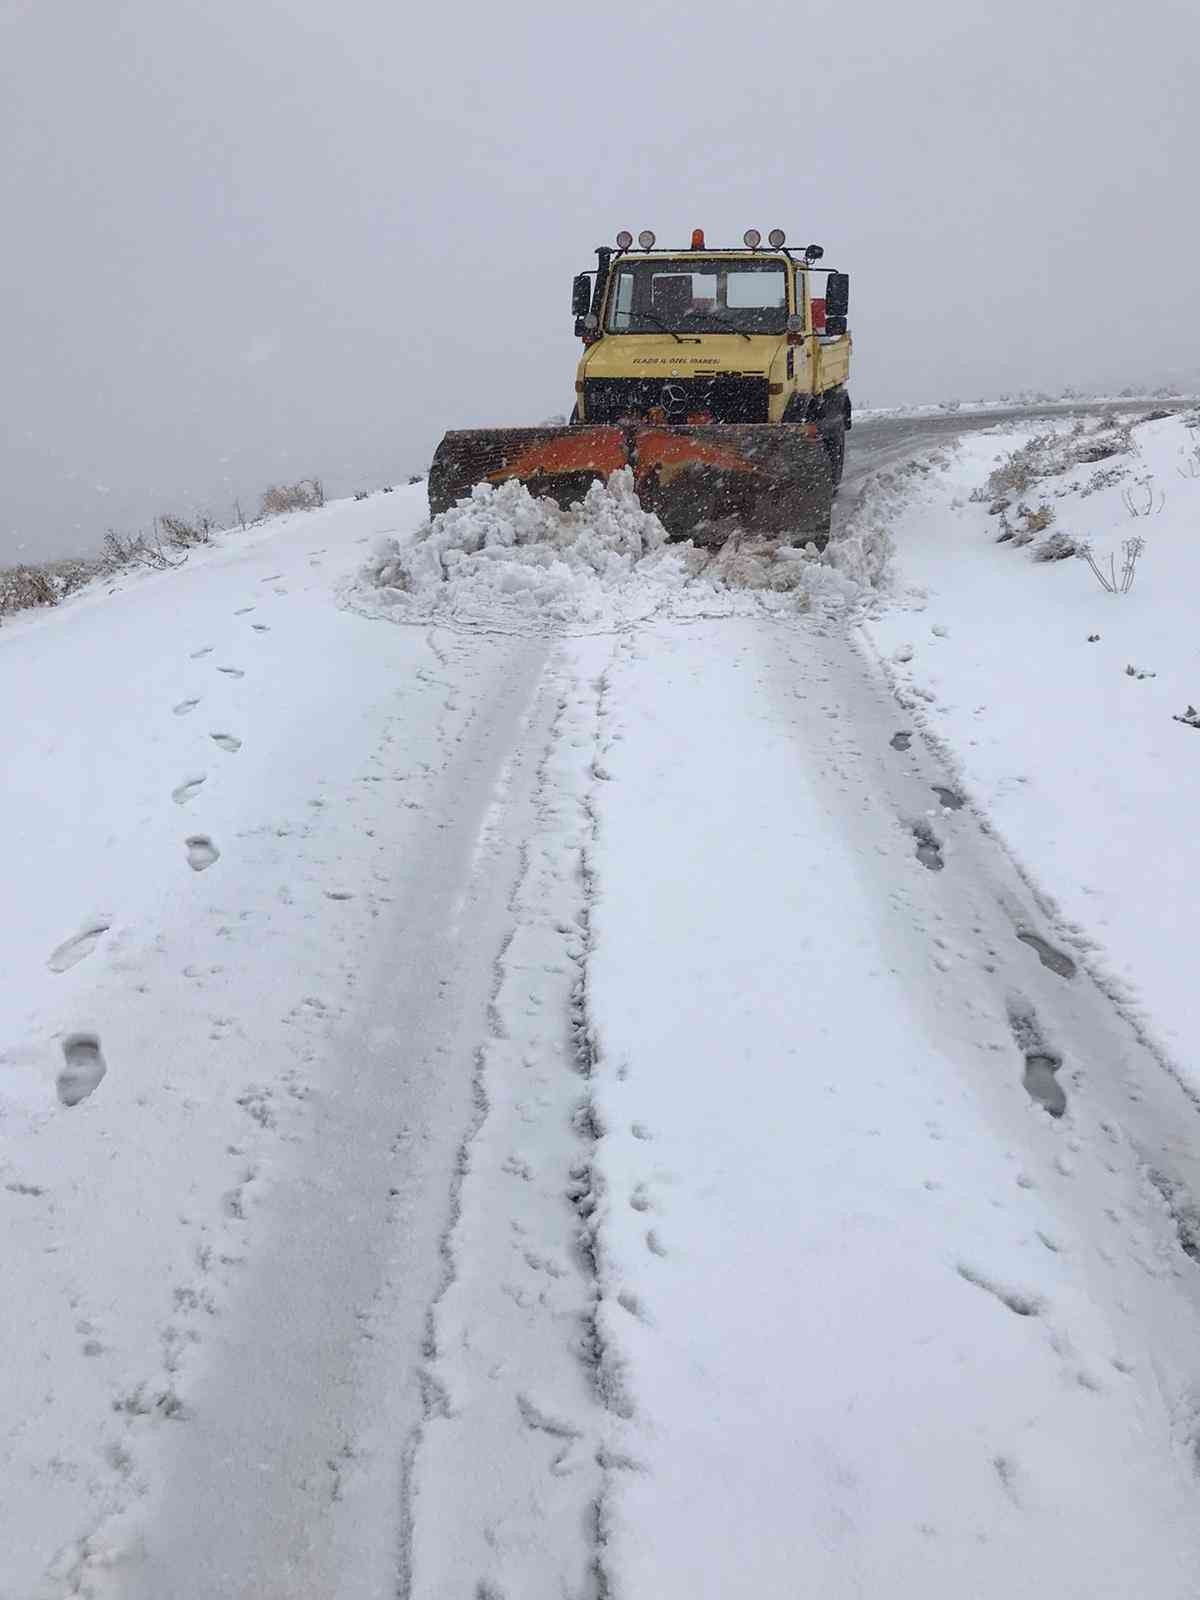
698 296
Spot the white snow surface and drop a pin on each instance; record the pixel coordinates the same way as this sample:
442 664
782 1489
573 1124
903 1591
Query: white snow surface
1057 703
616 1086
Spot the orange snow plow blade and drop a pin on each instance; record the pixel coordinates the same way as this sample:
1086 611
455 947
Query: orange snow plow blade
559 462
708 480
704 481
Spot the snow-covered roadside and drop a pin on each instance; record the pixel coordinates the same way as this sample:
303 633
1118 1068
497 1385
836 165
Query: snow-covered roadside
1059 703
201 825
872 1321
1020 405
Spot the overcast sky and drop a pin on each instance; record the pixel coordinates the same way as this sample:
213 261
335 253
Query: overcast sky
247 240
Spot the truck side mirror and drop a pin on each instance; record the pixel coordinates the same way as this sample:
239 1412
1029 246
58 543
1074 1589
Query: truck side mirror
581 295
837 295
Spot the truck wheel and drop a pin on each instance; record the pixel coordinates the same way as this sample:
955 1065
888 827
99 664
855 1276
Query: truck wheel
835 444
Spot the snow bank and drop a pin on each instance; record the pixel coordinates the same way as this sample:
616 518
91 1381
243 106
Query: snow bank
1066 707
508 560
1026 401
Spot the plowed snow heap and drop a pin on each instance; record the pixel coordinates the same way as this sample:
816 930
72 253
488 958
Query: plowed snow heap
503 558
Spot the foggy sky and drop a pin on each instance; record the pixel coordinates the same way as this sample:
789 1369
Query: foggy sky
256 240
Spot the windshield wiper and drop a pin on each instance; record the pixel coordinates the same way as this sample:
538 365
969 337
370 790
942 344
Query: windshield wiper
733 328
648 316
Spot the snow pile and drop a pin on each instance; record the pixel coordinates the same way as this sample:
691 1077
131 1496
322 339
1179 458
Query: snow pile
505 551
510 560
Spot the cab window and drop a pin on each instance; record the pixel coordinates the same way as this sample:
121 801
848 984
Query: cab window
700 297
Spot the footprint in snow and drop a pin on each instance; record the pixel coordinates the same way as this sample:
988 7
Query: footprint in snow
1058 961
1042 1061
950 799
197 654
82 1070
184 706
244 610
186 790
227 741
929 847
232 672
1041 1082
633 1304
82 944
201 852
1016 1301
900 741
260 627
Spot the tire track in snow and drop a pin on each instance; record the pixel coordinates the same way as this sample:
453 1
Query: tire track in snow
339 1231
1040 1231
511 1352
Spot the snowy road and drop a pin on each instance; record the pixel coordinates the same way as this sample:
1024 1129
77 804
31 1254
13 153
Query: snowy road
882 441
609 1121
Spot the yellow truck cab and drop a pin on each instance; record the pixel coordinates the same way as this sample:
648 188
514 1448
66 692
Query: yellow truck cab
750 335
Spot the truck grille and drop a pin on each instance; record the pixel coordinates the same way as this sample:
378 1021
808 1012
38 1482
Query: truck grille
724 397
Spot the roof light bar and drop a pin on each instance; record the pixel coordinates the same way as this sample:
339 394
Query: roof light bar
752 238
624 239
777 238
698 239
646 239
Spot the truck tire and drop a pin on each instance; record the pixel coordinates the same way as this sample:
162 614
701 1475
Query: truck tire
834 435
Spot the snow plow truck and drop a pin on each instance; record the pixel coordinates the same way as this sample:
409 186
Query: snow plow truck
718 376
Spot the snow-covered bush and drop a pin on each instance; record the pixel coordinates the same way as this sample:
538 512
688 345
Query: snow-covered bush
281 498
181 533
1038 519
1018 470
1056 548
24 586
1053 452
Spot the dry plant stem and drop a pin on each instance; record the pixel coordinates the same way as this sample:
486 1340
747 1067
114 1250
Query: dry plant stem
1135 506
1111 582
